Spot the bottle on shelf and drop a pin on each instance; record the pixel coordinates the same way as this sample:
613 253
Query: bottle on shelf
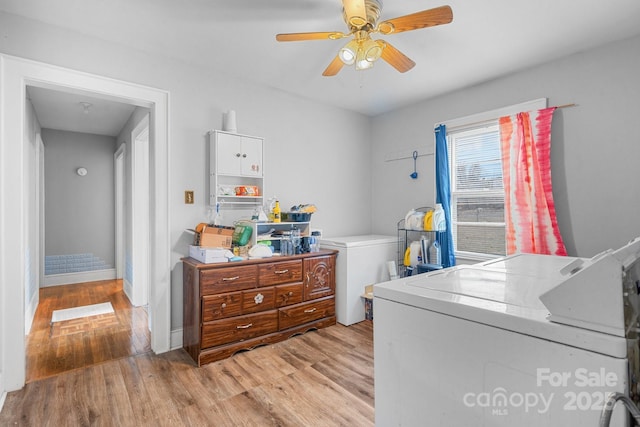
268 207
314 242
439 223
217 219
276 212
434 253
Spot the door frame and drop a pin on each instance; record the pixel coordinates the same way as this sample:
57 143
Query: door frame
119 174
15 75
140 212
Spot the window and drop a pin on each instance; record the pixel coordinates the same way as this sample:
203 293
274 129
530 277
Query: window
477 192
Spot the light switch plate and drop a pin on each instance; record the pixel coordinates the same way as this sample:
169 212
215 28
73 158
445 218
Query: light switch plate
188 197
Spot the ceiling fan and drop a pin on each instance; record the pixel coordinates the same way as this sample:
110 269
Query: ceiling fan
361 17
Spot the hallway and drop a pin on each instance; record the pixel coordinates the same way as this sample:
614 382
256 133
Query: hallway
49 355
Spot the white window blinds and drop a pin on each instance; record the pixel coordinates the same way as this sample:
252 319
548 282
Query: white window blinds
477 202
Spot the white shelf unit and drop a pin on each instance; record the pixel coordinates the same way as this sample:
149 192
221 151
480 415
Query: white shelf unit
406 236
235 160
262 229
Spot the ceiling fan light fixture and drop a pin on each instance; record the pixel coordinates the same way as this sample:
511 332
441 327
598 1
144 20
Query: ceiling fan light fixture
362 63
349 52
372 50
361 18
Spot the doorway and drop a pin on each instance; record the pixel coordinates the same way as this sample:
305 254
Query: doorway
15 173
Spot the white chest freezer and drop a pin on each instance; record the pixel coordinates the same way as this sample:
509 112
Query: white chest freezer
361 261
526 340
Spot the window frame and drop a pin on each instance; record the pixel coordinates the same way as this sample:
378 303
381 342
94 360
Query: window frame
479 120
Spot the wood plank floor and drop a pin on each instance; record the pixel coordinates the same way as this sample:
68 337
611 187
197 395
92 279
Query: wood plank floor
47 355
322 378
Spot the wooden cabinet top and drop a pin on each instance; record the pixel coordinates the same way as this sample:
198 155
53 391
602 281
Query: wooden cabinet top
276 258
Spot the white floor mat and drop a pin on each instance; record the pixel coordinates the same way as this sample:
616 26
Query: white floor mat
84 311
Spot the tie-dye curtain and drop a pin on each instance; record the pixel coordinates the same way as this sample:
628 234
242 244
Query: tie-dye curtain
530 214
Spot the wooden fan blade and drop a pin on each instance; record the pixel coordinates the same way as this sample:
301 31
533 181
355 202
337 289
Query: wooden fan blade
395 58
294 37
333 68
426 18
355 12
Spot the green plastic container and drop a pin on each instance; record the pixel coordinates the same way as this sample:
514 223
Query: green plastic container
241 234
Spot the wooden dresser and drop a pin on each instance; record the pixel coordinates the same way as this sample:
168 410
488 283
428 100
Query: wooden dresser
236 306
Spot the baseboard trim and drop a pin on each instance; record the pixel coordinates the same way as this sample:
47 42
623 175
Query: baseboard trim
3 394
84 276
127 287
176 339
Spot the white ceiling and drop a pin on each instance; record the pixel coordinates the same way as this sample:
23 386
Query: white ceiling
486 39
67 111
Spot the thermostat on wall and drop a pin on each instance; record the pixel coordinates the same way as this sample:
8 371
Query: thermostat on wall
81 171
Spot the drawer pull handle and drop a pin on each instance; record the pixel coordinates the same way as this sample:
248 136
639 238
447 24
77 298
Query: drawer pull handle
223 305
281 271
230 279
310 310
244 326
258 299
290 293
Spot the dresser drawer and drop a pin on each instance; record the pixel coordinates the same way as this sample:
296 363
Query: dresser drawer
288 294
306 312
220 306
239 328
280 272
260 299
228 279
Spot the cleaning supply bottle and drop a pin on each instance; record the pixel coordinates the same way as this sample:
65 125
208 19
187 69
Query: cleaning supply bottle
439 223
217 220
268 208
434 253
276 212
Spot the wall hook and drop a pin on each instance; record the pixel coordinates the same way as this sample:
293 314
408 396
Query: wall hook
414 175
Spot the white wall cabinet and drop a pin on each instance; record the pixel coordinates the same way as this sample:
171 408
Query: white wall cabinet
238 154
236 162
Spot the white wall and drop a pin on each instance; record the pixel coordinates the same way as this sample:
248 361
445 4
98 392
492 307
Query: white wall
79 210
313 153
595 145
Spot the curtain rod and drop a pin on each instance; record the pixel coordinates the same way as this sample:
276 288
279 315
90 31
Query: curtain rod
488 120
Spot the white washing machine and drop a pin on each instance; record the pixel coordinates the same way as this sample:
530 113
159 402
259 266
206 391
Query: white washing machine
362 260
525 340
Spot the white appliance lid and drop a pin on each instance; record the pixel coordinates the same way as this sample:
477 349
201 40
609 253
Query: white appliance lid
362 240
503 293
590 295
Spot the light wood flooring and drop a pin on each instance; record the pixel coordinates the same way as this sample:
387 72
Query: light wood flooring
49 355
322 378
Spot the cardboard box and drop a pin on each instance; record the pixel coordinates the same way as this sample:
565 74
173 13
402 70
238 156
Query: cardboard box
214 236
209 255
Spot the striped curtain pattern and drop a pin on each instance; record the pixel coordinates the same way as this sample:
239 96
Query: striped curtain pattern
530 215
